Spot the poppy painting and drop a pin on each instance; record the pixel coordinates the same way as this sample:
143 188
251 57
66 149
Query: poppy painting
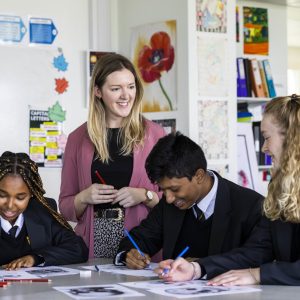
154 56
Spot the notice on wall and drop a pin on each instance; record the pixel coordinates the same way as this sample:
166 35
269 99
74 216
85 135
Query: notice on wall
44 136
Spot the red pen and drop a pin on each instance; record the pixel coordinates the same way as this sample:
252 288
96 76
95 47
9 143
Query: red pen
100 177
3 284
27 280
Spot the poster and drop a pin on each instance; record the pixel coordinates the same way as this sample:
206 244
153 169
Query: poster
213 128
256 31
44 136
211 15
153 53
212 66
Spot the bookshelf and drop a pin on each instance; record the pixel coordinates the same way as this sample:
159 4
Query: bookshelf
276 44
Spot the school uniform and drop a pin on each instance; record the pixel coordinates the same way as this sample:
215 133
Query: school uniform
227 225
274 246
40 235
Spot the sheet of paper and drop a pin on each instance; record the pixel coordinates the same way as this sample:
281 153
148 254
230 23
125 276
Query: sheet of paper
97 291
16 274
125 271
51 271
190 289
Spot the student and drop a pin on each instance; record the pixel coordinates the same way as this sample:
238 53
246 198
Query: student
200 209
104 184
32 232
273 250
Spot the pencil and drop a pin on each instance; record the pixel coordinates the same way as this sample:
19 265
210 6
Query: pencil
166 270
27 280
97 268
134 243
100 177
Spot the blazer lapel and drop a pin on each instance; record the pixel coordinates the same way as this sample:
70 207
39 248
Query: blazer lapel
221 218
173 223
35 230
282 237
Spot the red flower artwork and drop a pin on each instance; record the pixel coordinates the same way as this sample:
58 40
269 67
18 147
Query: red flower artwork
156 58
61 85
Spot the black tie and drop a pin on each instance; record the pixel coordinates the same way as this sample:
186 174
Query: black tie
13 231
199 213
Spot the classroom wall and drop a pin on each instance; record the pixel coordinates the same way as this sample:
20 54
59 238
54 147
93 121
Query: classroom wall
72 21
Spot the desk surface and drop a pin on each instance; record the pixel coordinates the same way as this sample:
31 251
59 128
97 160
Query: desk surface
44 291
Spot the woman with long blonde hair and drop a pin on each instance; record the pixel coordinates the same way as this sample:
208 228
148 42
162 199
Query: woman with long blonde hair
104 184
272 253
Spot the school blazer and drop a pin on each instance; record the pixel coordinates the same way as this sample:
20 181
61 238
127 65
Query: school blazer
50 239
76 176
237 210
269 248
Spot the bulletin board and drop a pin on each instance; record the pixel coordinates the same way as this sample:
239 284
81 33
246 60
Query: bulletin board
27 79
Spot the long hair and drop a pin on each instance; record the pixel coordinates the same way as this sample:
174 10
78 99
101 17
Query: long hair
133 129
21 164
283 199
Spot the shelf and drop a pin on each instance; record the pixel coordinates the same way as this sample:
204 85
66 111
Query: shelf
264 167
253 100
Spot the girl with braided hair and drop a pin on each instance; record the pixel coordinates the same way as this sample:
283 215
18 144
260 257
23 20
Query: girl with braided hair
32 231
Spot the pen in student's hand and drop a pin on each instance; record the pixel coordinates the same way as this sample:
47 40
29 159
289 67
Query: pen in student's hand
100 177
134 243
166 270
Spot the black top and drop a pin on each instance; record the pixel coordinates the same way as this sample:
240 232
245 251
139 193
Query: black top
119 169
195 234
13 248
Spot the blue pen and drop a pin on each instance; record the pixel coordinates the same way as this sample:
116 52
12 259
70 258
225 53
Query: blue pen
134 243
166 270
97 268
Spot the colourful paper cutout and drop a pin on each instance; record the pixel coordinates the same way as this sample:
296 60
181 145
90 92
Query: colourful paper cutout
61 85
60 63
56 113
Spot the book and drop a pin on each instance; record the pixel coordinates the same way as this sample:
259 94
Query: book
269 78
256 81
247 66
263 78
241 78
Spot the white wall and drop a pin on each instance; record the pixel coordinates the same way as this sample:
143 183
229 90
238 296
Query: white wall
72 21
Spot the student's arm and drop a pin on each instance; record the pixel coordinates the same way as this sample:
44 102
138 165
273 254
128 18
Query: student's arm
149 234
255 252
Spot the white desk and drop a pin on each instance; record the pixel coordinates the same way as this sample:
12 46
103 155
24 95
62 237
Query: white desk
44 291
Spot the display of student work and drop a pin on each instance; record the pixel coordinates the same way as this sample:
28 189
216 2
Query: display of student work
256 31
153 53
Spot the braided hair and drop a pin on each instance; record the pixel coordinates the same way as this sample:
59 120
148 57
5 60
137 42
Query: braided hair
21 164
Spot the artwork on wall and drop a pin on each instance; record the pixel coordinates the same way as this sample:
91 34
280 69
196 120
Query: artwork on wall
212 66
46 135
211 15
213 128
247 164
256 32
169 125
154 56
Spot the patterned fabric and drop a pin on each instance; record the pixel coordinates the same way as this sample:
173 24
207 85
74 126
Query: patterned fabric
107 236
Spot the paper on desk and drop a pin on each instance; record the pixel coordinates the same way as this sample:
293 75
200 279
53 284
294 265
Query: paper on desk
37 272
188 289
125 271
97 291
51 271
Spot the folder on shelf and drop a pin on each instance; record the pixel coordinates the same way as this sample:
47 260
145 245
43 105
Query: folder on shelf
263 78
247 66
256 79
269 78
241 78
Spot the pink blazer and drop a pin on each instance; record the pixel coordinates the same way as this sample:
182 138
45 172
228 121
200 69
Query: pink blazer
76 176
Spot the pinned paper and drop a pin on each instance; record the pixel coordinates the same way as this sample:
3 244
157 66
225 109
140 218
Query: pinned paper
60 63
61 85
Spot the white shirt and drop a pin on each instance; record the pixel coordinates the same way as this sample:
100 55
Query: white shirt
207 204
6 226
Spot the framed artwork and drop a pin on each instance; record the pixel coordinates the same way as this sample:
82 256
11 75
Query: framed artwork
153 53
169 125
